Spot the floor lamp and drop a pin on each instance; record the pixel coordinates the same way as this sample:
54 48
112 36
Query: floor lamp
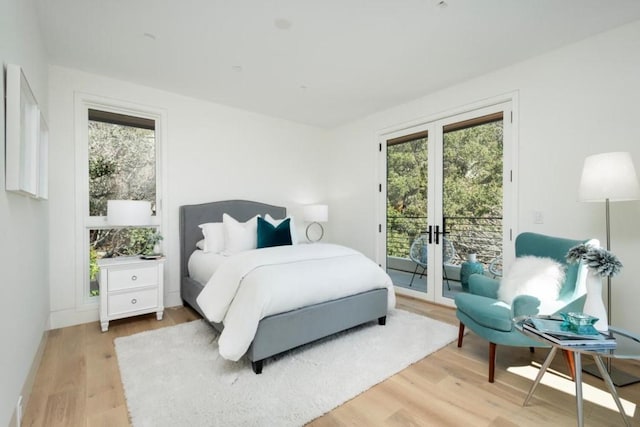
609 177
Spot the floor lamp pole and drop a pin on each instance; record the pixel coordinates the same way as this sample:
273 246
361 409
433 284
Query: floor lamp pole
606 204
618 377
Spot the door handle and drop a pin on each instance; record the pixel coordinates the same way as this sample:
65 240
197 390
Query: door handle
438 233
430 233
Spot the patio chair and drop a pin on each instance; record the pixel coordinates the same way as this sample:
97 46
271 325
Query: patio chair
418 254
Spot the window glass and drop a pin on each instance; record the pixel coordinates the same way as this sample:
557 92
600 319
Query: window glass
122 165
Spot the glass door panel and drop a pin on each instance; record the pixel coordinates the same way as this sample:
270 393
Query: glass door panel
472 198
406 209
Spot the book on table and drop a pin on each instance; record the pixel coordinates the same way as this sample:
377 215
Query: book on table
555 331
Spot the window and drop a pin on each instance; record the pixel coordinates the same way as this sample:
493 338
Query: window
121 162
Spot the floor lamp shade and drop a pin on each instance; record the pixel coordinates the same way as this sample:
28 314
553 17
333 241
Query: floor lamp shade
128 212
609 176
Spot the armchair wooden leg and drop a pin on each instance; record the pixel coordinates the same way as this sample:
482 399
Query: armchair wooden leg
492 361
460 334
568 356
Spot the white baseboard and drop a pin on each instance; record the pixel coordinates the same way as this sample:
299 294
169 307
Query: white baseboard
70 317
172 299
27 387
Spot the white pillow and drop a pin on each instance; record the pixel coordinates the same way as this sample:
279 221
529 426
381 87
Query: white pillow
292 226
239 236
213 233
530 275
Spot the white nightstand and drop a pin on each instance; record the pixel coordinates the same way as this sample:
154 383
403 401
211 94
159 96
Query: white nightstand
130 286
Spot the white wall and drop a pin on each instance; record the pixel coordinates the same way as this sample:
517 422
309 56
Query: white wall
575 101
213 153
24 283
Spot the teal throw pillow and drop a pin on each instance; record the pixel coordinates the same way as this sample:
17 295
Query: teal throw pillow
269 235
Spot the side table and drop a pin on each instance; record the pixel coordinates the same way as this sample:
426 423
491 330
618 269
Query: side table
628 347
130 286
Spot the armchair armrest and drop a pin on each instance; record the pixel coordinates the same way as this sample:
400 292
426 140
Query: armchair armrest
524 305
484 286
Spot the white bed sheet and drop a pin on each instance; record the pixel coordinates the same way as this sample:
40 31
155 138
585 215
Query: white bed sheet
255 284
202 265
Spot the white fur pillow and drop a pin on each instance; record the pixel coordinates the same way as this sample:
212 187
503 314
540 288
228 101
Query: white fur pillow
530 275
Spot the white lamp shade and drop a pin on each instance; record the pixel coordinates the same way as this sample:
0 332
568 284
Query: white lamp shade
609 176
316 213
128 212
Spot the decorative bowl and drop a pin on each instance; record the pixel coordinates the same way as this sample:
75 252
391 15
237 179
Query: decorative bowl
580 323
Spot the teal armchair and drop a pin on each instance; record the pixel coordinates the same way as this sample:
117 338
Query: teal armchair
482 312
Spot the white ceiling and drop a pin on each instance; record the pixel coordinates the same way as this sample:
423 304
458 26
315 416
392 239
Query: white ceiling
339 59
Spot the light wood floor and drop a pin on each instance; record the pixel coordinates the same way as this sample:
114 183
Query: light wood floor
78 384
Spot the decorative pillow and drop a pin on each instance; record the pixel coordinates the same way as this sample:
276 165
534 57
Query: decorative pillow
535 276
270 235
239 236
292 226
213 233
200 244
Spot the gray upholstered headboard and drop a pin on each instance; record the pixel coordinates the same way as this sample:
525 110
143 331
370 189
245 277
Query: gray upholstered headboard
193 215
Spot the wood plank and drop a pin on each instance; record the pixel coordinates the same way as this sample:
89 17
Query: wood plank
78 383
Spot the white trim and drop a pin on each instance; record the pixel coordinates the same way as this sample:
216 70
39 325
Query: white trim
475 105
400 290
72 316
172 298
82 103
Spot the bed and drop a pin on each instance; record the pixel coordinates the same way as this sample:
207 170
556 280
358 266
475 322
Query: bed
284 331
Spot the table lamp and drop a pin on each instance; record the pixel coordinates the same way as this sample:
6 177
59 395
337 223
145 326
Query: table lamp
122 213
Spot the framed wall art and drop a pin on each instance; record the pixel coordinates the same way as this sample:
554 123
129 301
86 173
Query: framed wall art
27 138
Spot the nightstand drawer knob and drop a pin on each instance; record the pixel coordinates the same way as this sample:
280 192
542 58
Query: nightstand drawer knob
134 278
133 301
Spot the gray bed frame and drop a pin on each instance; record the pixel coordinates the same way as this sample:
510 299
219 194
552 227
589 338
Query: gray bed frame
280 332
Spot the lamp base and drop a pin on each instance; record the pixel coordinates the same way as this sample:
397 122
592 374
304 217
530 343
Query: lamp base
321 232
618 377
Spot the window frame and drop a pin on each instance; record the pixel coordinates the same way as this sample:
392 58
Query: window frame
84 222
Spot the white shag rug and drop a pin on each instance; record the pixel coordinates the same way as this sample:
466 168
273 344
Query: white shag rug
174 376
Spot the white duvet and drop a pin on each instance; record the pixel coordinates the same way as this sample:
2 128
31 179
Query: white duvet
254 284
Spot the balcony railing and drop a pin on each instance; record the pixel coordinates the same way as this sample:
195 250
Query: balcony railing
480 235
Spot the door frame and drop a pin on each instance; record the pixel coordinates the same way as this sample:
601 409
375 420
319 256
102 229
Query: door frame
433 124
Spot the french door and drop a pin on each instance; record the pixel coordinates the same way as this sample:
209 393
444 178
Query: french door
445 200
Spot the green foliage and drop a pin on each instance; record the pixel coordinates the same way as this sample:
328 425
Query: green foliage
122 165
101 172
407 182
152 239
110 243
472 197
472 167
93 264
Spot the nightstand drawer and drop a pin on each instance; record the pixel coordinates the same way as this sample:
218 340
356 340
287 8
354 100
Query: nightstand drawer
133 278
132 301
